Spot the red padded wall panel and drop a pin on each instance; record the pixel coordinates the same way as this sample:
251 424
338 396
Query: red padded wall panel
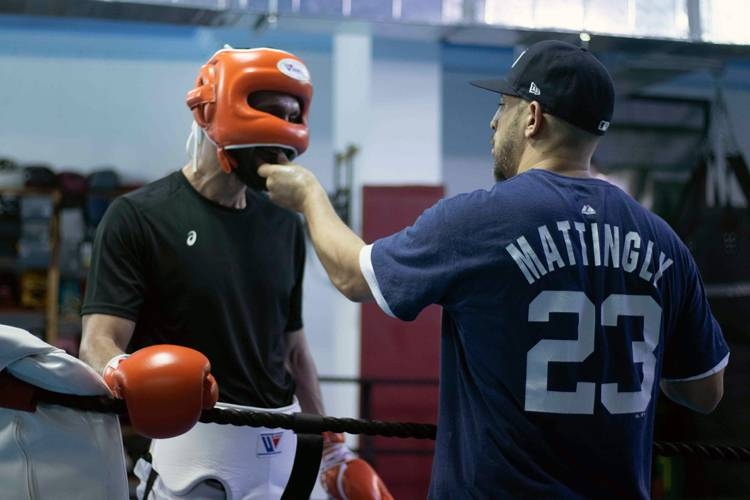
401 351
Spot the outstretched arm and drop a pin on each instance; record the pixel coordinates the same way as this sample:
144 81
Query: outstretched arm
336 245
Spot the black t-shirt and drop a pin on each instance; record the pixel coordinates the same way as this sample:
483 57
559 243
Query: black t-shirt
227 282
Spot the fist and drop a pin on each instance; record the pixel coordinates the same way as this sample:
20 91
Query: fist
289 185
347 477
165 388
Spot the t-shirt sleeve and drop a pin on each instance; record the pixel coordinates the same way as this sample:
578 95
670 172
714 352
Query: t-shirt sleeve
294 322
697 348
412 268
116 279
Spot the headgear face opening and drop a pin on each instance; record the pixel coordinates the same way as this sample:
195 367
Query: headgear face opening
219 101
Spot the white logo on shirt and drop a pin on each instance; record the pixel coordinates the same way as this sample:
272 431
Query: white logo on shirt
533 89
603 125
192 236
588 210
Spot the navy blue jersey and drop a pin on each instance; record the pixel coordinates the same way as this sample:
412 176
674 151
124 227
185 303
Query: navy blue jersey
564 304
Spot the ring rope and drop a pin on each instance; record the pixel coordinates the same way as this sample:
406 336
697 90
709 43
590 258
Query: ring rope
311 423
702 450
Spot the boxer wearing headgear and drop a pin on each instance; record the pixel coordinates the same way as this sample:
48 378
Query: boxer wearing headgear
198 260
224 108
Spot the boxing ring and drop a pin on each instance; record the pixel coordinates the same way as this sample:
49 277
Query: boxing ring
309 429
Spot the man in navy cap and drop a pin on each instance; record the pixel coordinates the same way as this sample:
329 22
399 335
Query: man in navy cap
566 304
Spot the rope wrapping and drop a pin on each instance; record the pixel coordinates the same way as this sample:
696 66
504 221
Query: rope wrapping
315 424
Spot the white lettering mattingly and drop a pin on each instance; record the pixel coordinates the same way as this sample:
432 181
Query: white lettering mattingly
607 249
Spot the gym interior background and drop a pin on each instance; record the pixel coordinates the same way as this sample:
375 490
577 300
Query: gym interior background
93 92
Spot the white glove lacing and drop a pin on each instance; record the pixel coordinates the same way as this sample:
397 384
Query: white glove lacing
335 454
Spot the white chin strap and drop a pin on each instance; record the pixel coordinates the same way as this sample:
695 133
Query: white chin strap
198 135
194 142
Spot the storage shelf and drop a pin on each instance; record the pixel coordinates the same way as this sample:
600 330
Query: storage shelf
50 314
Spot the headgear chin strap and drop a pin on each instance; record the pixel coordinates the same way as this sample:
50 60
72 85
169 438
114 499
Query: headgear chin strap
194 143
220 106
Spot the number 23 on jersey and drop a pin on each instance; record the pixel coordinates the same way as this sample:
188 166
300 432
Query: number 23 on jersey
581 401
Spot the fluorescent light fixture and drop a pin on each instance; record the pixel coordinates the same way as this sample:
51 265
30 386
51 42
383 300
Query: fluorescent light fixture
649 18
725 21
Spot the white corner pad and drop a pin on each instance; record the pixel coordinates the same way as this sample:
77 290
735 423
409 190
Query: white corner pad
365 265
721 365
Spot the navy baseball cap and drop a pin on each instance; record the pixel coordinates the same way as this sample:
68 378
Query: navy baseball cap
568 81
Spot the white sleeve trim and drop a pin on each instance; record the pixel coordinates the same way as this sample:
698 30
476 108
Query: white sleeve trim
365 265
722 364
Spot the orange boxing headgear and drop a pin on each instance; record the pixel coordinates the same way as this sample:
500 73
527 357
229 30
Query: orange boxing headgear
220 106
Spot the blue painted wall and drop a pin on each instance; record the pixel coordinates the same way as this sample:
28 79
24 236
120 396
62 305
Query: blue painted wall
84 93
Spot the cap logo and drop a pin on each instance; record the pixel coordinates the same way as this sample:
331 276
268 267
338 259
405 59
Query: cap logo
517 59
533 89
294 69
603 125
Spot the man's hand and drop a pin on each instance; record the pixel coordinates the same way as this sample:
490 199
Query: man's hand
337 246
289 185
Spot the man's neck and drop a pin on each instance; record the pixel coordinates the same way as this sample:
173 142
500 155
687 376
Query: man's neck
217 186
569 165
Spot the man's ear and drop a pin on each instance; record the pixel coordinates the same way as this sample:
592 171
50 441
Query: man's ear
534 119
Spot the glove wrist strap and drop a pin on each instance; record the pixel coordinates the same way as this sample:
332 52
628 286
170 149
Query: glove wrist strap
335 454
113 363
108 372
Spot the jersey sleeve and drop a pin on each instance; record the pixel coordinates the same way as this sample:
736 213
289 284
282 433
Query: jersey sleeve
412 268
697 348
116 279
294 322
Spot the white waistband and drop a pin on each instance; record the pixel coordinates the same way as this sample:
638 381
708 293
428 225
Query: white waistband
243 458
292 408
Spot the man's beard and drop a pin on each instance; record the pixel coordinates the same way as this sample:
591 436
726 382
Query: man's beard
250 159
506 160
248 174
507 155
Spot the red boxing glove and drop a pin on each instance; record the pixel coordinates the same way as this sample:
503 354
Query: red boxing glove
165 388
344 476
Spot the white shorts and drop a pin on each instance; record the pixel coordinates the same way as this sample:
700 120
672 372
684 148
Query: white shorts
252 463
58 452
